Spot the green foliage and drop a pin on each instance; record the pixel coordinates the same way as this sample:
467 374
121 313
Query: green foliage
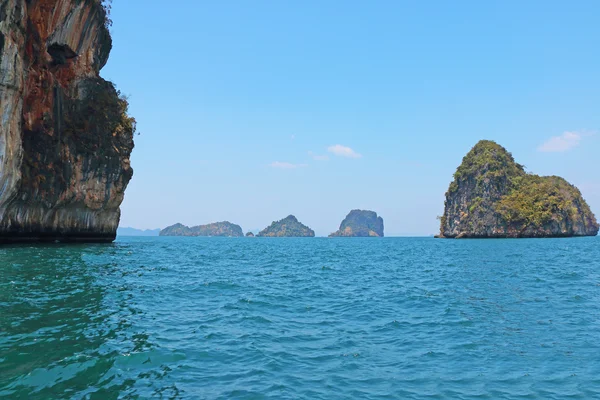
107 7
453 186
488 160
104 7
442 219
128 124
535 201
475 205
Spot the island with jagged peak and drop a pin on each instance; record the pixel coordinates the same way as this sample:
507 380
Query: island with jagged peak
287 227
492 196
224 228
360 223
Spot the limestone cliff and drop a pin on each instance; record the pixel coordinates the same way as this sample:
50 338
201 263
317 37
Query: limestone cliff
360 223
224 228
493 197
65 136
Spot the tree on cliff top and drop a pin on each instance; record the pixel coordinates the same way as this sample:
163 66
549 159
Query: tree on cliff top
106 7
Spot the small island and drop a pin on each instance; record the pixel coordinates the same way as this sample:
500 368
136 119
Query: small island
224 228
360 223
493 197
249 234
287 227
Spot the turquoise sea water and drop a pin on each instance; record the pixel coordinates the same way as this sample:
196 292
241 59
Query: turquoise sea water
242 318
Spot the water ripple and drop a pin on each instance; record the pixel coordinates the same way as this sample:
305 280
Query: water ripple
221 318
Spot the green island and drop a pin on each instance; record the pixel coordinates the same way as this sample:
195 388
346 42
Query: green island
360 223
287 227
224 228
492 196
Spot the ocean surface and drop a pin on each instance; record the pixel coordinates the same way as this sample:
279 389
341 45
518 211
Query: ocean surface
262 318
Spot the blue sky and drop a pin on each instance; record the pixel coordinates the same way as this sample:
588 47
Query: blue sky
253 110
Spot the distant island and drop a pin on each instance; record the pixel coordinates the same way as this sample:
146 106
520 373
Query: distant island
493 197
224 228
360 223
249 234
126 231
287 227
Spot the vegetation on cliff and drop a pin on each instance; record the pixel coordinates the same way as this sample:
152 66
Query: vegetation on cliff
287 227
360 223
224 228
107 8
537 201
493 196
487 160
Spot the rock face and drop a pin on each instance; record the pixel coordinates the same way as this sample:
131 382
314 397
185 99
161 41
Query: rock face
224 228
493 197
360 223
287 227
65 136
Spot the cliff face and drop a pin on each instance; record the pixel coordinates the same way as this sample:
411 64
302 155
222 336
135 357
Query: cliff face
287 227
224 228
65 137
360 223
493 197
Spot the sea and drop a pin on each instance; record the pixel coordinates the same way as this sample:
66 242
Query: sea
301 318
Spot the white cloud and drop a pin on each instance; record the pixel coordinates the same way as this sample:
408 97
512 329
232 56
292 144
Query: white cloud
285 165
564 142
318 157
343 151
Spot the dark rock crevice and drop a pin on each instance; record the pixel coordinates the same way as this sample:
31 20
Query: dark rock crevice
60 53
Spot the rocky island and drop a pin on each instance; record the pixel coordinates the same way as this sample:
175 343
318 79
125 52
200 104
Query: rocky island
493 197
287 227
249 234
360 223
224 228
65 135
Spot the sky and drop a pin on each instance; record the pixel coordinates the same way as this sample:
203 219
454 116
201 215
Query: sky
249 111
